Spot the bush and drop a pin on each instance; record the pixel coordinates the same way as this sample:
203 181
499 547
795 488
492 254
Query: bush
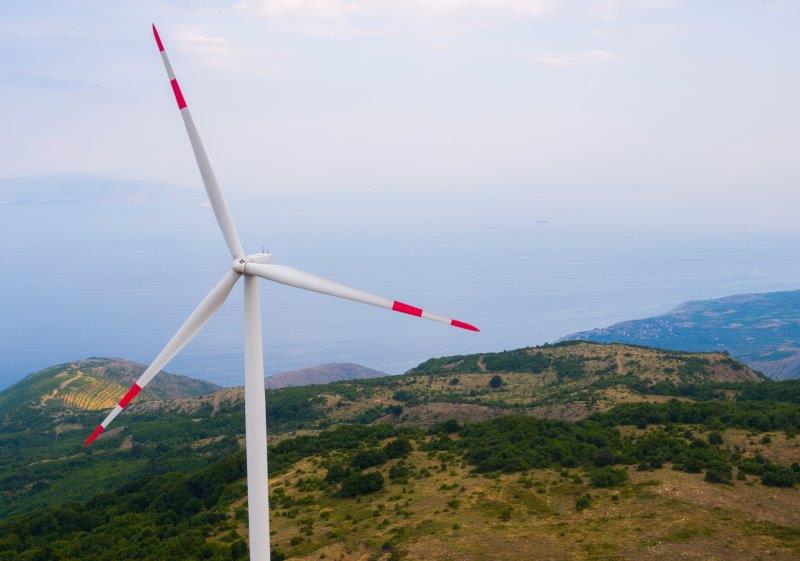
495 382
336 473
399 471
368 458
778 476
404 396
604 457
398 448
718 472
583 502
608 477
715 438
357 484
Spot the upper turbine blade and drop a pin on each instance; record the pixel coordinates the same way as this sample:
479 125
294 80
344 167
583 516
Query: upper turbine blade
301 279
221 211
187 331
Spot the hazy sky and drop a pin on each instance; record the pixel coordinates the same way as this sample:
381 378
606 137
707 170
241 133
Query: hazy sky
642 109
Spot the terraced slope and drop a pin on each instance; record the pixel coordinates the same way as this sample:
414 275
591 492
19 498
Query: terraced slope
94 384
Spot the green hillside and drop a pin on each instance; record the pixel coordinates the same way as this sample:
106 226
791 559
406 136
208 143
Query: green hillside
578 451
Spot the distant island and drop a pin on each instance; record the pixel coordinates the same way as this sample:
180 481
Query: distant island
762 330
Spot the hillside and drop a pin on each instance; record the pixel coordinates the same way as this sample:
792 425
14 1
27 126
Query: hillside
762 330
567 381
94 384
580 451
322 374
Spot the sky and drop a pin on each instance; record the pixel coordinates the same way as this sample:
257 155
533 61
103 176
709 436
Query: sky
645 111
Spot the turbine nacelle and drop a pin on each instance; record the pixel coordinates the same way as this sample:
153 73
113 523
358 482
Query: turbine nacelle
240 265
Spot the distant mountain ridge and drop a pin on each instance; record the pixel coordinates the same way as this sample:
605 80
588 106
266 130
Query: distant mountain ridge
322 374
94 384
762 330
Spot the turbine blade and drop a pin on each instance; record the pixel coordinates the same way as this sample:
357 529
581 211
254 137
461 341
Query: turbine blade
191 327
221 211
301 279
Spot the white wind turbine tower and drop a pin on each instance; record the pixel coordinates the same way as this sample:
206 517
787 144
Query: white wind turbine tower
249 267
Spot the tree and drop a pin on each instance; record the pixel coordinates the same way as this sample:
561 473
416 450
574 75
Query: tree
368 458
719 471
398 448
495 382
336 473
608 477
361 484
778 476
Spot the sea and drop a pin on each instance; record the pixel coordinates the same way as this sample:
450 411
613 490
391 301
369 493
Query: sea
83 280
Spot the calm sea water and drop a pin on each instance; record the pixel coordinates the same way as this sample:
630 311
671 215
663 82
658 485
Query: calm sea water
84 280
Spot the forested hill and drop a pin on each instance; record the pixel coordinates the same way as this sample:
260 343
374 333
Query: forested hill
639 453
762 330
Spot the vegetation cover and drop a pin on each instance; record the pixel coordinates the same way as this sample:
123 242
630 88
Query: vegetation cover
358 472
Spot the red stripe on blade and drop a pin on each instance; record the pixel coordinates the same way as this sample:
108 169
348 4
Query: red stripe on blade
158 39
176 89
406 309
95 433
128 397
462 325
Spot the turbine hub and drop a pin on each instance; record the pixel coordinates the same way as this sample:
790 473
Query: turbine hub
240 265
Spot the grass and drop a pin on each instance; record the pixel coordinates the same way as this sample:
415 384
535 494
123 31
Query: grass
662 514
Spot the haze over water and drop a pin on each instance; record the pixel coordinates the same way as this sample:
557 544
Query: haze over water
117 280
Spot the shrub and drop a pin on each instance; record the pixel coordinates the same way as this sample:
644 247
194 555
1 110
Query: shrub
718 472
336 473
398 448
608 477
495 382
604 457
368 458
583 502
569 367
778 476
357 484
715 438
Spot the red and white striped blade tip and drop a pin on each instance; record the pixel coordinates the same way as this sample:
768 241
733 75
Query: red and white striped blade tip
98 430
158 38
404 308
463 325
129 396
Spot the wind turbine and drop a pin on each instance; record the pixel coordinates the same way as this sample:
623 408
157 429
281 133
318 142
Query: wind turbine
250 267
